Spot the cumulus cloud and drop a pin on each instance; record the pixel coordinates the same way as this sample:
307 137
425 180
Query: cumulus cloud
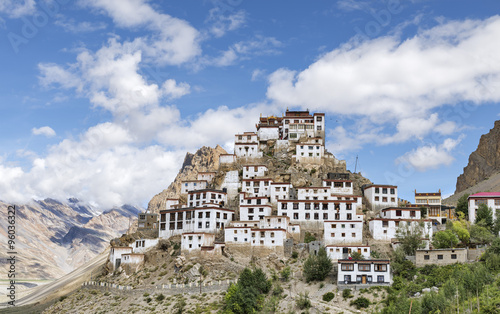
174 41
392 88
16 9
44 130
431 156
388 78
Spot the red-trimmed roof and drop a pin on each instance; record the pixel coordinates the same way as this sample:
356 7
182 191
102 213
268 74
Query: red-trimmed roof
486 194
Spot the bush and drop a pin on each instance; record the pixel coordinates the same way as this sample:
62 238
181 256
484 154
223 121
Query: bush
303 301
286 272
317 267
347 294
295 254
160 297
247 296
360 302
309 237
327 297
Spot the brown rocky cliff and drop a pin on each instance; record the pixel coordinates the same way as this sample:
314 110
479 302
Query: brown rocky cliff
484 162
205 159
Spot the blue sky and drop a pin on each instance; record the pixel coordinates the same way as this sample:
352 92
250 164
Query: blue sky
101 99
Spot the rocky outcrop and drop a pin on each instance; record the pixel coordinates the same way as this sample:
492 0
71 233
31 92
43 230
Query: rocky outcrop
205 159
484 162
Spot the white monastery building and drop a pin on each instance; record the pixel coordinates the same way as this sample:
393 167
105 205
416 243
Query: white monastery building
491 199
381 196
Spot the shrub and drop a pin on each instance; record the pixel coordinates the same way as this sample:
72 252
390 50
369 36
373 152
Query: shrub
309 237
360 302
160 297
317 267
303 301
327 297
347 294
286 272
295 254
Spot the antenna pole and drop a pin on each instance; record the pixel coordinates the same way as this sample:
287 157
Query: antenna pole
356 165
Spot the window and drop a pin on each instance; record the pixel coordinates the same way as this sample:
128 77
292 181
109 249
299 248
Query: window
385 224
376 198
380 278
207 214
440 256
308 216
497 202
296 216
283 205
398 213
353 235
334 225
384 199
347 267
325 216
343 235
364 267
332 235
295 205
393 191
377 190
426 257
453 256
272 234
316 216
380 267
384 190
224 216
218 215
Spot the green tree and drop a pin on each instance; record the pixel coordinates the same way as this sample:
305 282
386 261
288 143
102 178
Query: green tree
317 267
410 237
484 216
480 235
463 206
496 223
460 229
444 239
357 256
247 295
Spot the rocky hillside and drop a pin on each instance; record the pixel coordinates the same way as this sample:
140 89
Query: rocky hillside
280 165
205 159
54 238
484 162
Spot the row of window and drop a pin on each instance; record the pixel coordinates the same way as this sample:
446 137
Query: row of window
189 215
385 199
364 267
440 256
343 235
323 206
385 190
483 201
359 279
316 216
180 225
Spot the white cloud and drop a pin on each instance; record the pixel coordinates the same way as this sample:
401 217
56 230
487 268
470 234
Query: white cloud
174 40
387 78
79 27
221 23
257 74
44 130
431 156
243 50
174 90
396 87
352 5
17 8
